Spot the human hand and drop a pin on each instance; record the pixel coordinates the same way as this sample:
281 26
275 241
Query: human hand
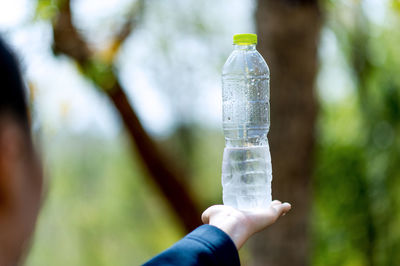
241 225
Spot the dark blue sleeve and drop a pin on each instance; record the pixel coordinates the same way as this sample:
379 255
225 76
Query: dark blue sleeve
206 245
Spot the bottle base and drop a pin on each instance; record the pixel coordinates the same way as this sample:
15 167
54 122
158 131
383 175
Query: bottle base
247 202
246 177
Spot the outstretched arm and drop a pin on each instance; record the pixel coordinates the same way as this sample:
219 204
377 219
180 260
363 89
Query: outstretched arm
218 244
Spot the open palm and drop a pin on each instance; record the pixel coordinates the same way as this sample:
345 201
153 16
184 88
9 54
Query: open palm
240 225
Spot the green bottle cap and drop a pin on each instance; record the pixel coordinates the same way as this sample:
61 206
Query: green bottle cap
245 39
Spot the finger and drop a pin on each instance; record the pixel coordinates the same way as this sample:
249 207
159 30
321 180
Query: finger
282 208
275 202
286 207
205 217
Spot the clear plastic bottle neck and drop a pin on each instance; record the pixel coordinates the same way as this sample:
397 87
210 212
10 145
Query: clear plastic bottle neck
244 46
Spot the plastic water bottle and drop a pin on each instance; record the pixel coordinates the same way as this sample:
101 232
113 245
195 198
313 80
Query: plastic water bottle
246 166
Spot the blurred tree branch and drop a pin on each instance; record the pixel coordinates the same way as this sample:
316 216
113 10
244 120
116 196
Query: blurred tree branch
99 69
130 24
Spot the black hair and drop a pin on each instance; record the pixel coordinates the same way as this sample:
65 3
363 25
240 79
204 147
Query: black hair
12 91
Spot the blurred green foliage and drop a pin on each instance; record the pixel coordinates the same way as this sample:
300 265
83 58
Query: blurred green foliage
357 166
100 208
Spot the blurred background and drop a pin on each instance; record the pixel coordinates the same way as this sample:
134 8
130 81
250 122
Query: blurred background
125 98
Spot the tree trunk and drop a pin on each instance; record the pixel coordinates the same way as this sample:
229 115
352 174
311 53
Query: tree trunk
288 38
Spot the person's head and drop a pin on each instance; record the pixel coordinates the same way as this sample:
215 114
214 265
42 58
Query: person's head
20 170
